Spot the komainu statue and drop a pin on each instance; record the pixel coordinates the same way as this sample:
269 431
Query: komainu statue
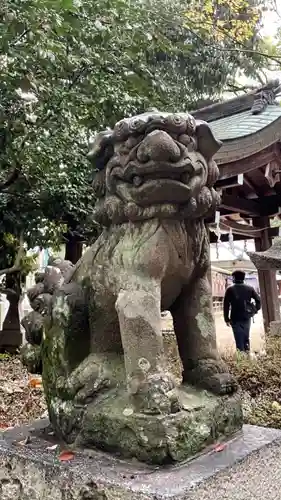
104 372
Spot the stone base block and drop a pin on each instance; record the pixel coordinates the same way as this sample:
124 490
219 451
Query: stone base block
30 469
111 424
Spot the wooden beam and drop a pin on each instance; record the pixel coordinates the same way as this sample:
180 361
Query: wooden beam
244 229
263 206
235 181
273 232
209 269
253 162
270 205
240 205
251 185
272 173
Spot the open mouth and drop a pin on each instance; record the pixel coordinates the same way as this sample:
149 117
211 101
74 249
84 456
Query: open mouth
156 191
136 174
156 182
138 180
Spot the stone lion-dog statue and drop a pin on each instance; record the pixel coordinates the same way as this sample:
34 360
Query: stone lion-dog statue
104 369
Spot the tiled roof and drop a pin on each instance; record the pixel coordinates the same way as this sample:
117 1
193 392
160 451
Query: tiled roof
245 123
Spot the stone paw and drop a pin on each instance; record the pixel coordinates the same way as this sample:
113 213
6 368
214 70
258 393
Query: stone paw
222 383
82 392
97 373
212 375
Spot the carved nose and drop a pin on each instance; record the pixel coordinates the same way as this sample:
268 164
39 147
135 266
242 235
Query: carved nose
158 146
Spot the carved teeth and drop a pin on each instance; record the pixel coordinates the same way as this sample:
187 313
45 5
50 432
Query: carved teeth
137 180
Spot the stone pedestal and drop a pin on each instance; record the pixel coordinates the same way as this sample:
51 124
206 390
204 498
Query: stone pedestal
33 470
111 424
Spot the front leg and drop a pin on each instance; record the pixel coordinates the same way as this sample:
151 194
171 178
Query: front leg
149 384
196 335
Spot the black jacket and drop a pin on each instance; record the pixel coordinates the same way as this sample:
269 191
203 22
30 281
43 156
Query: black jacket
236 296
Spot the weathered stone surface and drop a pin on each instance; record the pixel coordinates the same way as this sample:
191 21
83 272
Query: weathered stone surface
113 424
102 343
33 472
31 357
172 354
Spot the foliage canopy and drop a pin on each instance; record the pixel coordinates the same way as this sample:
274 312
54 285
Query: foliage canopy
72 67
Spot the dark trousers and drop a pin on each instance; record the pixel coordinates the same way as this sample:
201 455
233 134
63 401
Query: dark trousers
241 331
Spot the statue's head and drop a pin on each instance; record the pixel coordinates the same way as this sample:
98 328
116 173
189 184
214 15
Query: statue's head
155 165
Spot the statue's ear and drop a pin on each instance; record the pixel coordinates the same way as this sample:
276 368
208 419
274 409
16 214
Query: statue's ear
208 145
101 149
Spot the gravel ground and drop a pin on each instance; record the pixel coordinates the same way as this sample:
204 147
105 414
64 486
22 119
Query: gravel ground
21 394
225 338
257 478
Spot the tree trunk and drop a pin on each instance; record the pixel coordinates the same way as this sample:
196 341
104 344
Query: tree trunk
11 336
73 249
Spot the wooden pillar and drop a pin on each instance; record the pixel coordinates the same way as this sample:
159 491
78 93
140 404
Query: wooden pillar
267 279
210 267
73 249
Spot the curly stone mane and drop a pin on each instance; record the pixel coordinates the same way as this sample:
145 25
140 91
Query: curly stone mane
155 165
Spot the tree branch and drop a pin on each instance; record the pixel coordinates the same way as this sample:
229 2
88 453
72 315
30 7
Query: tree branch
242 47
23 34
240 88
17 265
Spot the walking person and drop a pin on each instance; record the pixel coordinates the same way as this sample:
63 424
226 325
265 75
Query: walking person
241 303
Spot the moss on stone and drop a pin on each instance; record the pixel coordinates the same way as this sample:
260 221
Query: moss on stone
111 423
31 358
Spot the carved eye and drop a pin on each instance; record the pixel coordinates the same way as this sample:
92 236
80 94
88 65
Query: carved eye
137 125
177 120
190 124
121 130
176 123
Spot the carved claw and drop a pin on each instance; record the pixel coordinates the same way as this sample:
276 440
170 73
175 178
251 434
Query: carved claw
95 374
213 376
222 383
